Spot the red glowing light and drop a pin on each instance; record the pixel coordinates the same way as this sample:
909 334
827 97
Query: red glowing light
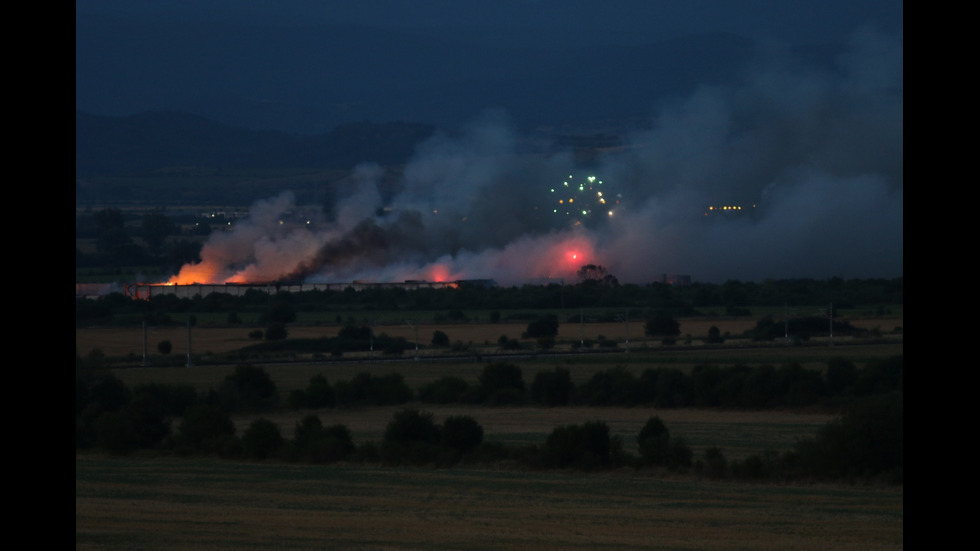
439 273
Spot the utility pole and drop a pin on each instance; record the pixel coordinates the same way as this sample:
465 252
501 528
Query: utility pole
785 321
413 325
830 314
145 363
626 318
189 362
627 331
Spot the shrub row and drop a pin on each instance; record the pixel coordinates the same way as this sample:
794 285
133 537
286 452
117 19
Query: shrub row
733 297
707 386
865 443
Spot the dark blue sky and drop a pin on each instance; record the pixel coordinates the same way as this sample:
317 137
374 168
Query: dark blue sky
616 20
306 66
793 109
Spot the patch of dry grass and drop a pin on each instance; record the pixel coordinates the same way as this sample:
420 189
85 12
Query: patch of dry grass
189 504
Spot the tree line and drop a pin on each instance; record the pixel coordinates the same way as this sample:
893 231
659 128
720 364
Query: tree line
733 298
865 442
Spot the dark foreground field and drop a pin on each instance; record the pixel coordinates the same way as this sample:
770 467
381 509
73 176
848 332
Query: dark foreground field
189 504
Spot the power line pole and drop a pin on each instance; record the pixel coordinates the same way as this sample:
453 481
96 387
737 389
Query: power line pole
626 318
145 362
830 314
413 325
189 362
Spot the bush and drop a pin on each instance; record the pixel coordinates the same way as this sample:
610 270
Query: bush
249 388
411 425
440 339
411 437
168 400
714 465
461 434
136 426
552 388
841 375
205 428
664 388
502 383
612 387
587 447
679 455
880 376
445 390
866 441
276 332
164 347
318 394
261 439
544 326
115 433
662 324
654 442
508 344
315 443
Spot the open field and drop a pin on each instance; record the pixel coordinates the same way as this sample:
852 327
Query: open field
198 503
201 504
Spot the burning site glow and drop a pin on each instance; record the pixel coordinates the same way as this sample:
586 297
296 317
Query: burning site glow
821 170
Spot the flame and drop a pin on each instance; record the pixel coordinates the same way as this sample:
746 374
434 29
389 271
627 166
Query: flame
205 272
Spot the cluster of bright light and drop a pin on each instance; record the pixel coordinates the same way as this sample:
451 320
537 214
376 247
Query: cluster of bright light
581 200
726 209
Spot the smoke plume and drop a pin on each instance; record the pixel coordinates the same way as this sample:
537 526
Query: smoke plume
809 160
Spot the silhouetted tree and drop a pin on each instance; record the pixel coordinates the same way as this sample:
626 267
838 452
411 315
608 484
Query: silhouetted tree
544 326
440 339
261 439
249 388
662 324
165 347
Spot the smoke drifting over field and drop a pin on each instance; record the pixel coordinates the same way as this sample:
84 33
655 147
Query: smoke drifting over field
813 156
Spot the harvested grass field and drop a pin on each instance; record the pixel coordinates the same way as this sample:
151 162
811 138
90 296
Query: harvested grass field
198 504
193 503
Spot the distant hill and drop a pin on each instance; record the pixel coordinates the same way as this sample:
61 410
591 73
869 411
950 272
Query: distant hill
309 78
137 144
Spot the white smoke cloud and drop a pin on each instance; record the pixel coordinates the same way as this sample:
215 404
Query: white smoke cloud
814 156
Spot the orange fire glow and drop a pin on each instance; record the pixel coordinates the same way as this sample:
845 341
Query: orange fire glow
203 273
